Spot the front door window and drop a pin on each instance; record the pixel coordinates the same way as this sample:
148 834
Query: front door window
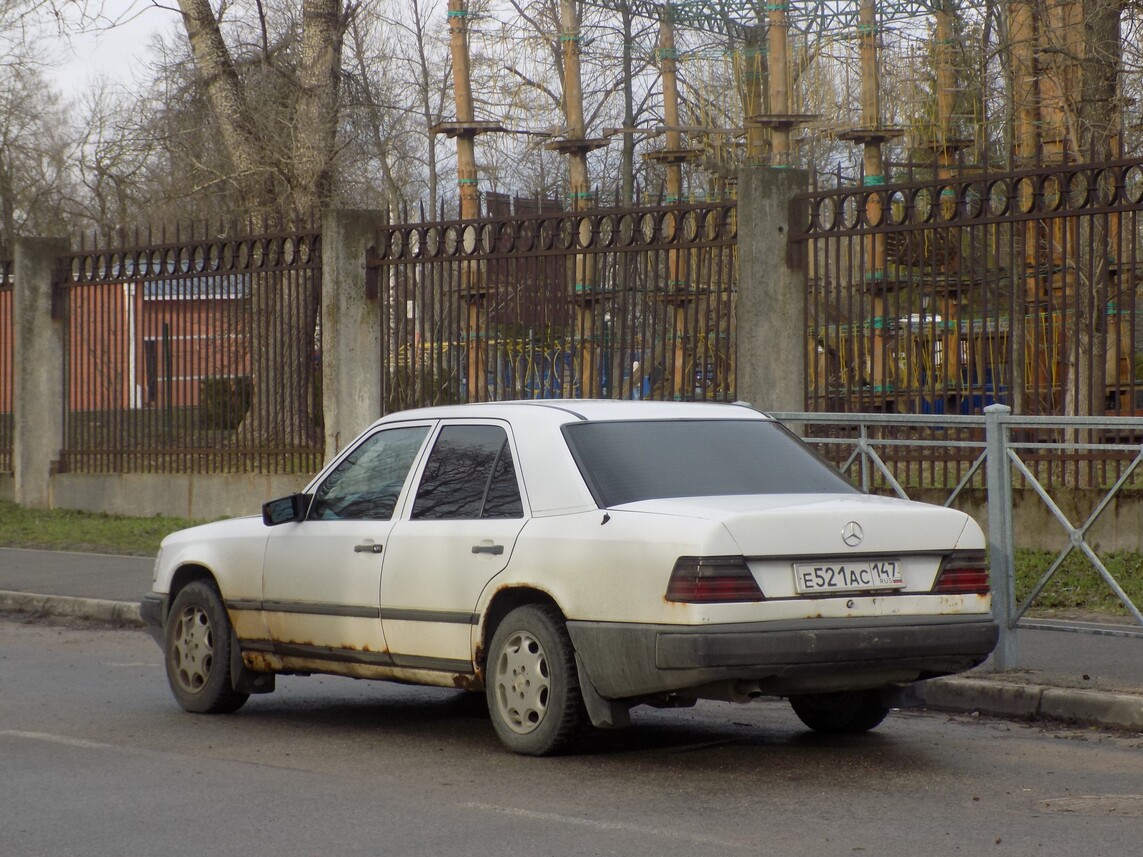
366 484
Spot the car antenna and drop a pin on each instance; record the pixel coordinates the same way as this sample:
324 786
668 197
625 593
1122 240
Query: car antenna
606 518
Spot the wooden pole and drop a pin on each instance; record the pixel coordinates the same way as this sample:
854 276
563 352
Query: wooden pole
871 120
579 190
469 191
669 61
462 87
779 83
1025 107
946 90
1062 47
752 73
579 197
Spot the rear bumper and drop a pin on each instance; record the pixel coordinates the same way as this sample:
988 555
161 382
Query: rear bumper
628 660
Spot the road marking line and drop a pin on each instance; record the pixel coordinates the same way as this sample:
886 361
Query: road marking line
607 825
57 739
135 664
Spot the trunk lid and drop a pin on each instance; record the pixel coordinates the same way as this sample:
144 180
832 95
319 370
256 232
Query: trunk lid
824 524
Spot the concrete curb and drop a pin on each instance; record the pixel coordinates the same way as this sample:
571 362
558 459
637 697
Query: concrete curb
122 613
993 696
1015 699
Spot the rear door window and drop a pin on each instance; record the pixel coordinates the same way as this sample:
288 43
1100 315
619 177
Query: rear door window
470 474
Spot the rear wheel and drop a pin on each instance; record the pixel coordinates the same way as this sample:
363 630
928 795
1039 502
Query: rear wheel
532 684
199 637
846 712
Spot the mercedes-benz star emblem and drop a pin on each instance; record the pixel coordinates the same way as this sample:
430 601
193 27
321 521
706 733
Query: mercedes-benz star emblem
852 534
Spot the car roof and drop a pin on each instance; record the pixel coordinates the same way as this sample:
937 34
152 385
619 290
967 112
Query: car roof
560 411
550 474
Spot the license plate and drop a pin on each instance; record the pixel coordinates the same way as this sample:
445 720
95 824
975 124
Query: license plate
844 576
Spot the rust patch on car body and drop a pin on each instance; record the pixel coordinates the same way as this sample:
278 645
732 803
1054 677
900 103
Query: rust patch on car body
259 662
276 662
467 681
478 662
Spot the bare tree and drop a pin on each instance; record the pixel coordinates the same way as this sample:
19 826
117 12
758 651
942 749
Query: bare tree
429 69
20 22
396 89
285 168
115 155
34 156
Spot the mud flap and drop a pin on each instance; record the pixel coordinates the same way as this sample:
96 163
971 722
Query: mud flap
604 713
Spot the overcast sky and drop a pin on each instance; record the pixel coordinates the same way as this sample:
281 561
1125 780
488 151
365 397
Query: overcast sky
117 52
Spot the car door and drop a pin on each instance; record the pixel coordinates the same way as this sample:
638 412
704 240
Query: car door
321 577
458 534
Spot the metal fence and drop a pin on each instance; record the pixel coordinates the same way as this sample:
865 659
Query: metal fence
947 294
193 353
6 368
1092 453
1003 451
608 303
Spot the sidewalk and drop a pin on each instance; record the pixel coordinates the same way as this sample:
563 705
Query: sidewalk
1082 678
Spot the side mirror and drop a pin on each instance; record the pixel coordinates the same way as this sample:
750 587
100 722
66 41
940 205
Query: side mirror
286 510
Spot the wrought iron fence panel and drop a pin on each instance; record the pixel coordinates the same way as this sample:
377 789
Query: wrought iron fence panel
609 303
946 295
193 355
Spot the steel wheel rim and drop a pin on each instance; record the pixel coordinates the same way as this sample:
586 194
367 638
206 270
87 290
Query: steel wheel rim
192 649
522 683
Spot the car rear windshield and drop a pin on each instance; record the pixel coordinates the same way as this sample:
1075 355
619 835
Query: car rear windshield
624 462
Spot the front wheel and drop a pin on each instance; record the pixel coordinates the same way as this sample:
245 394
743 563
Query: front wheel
846 712
532 683
198 640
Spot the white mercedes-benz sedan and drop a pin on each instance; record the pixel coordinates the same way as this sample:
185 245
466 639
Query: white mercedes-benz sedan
573 559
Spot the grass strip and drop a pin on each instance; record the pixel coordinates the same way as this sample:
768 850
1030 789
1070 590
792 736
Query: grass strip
1077 584
65 529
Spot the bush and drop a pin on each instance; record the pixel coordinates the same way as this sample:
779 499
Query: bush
223 402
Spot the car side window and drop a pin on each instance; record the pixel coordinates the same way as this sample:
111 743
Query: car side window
469 474
366 484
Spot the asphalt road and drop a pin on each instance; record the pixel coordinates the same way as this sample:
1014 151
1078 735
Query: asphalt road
81 575
98 760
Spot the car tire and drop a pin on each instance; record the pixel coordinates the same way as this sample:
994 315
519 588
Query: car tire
198 640
532 684
846 712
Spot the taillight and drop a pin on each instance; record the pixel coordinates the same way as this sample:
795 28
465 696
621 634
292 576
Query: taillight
712 578
963 573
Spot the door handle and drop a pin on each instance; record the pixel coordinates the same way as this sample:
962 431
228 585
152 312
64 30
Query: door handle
495 550
368 547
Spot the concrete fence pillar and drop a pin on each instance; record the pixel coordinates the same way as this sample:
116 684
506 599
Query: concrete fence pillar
38 361
350 329
771 295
